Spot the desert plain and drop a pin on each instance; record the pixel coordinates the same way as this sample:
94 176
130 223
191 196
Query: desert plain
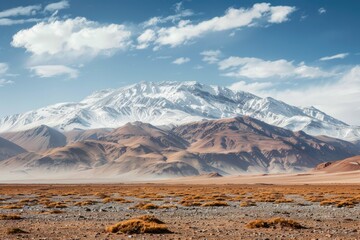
205 207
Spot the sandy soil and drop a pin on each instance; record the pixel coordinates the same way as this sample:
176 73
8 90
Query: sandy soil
305 204
350 177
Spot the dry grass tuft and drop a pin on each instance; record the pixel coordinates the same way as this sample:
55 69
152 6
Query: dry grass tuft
85 203
101 195
350 202
55 205
190 203
15 231
139 225
13 206
145 206
119 200
215 204
273 222
10 217
247 204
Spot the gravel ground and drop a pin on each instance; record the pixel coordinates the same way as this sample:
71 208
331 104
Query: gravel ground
229 222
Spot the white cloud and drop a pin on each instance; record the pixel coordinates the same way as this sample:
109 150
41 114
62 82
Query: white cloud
211 56
4 82
181 60
340 99
9 22
52 7
180 13
257 68
20 11
186 31
47 71
4 67
145 38
253 87
337 56
152 21
322 10
72 38
280 14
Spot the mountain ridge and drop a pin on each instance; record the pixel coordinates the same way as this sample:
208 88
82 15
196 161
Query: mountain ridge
37 139
9 149
231 146
166 103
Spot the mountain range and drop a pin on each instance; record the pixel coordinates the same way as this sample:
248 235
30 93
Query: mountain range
175 103
172 129
241 145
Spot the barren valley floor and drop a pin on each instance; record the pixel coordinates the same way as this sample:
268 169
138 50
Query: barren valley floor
188 211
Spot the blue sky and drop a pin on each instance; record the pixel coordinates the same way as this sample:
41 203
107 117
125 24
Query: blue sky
301 52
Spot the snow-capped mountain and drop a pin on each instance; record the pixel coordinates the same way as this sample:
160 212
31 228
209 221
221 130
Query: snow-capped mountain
176 103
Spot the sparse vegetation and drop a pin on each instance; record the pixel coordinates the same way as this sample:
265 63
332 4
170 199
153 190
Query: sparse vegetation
303 199
10 217
215 204
145 206
142 224
55 205
247 204
11 207
15 231
86 203
281 222
190 203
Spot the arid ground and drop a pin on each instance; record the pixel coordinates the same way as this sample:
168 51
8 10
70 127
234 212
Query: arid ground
179 211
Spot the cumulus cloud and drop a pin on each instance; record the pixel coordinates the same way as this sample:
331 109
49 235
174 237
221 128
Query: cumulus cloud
145 38
181 60
256 68
322 10
186 31
280 14
337 56
72 38
4 82
20 11
52 7
47 71
211 56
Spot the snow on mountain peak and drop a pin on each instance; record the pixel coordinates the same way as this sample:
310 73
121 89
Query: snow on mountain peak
163 103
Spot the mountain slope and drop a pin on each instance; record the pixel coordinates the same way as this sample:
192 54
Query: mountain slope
37 139
226 146
346 165
9 149
78 135
273 149
176 103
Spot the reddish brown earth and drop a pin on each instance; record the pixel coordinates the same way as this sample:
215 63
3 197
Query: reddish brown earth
346 165
325 211
233 146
